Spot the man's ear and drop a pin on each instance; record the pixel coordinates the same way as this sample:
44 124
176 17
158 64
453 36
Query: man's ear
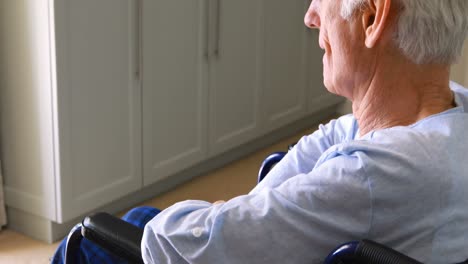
374 20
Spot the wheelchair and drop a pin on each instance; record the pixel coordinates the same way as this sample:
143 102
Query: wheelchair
123 239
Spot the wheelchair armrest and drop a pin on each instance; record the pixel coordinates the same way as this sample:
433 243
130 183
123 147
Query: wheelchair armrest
114 235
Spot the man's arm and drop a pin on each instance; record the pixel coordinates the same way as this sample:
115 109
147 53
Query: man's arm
304 156
296 222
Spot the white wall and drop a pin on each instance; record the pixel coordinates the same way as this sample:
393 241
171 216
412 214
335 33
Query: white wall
460 70
3 219
345 108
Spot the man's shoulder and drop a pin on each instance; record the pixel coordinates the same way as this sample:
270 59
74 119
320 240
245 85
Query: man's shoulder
461 95
396 146
409 149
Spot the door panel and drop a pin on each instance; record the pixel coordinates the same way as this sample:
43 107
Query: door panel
174 89
98 103
235 74
285 62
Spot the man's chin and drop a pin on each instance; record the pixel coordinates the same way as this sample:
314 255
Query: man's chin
334 92
330 88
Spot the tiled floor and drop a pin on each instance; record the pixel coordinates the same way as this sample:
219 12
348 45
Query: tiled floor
232 180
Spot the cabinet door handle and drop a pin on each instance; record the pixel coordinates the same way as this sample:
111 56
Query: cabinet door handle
213 8
217 27
206 16
138 36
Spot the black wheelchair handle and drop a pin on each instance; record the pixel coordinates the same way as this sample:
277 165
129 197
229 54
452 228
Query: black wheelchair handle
114 235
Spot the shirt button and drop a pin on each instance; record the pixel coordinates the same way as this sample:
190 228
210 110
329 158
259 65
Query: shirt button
197 231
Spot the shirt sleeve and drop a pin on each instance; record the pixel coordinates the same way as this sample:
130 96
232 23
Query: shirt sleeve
299 221
305 154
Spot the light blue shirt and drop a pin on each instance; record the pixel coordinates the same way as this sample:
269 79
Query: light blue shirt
406 187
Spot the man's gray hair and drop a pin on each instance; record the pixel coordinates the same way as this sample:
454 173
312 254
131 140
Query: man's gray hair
428 31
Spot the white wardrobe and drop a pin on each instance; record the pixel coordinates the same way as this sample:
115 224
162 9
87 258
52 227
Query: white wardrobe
105 99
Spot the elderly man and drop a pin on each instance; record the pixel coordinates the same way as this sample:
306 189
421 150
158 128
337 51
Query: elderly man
395 171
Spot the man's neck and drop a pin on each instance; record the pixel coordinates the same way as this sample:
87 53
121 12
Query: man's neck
399 97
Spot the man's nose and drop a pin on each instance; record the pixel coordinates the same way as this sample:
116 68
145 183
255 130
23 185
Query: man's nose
312 17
